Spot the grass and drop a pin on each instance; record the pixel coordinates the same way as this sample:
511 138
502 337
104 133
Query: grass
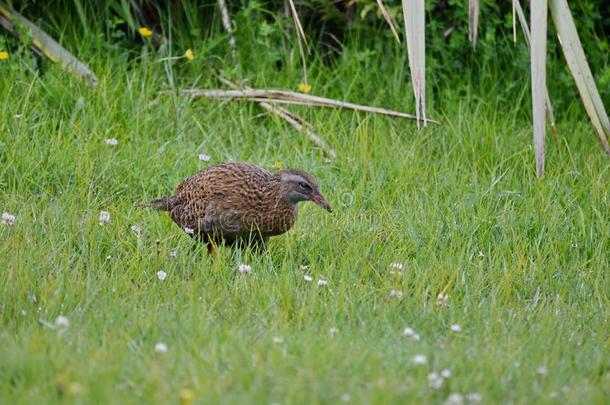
524 261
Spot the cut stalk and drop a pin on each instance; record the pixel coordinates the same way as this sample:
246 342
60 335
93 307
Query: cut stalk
413 12
388 19
577 62
538 70
526 33
48 46
474 7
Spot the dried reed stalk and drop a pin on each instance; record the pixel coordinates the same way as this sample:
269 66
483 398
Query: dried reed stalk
47 45
291 97
538 24
577 62
415 25
388 19
228 27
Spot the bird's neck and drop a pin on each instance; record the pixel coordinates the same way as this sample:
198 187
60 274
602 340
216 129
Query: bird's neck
278 196
275 214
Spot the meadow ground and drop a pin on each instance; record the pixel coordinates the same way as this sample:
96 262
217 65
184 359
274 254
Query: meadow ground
523 261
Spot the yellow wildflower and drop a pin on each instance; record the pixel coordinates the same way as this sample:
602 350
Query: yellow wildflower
189 54
186 396
278 165
3 55
304 88
145 32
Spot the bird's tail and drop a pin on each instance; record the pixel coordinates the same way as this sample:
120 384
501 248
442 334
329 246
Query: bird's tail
159 204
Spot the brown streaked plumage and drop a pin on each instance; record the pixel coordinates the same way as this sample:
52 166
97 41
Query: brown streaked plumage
239 203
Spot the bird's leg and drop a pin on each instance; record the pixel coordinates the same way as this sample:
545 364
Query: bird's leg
259 245
211 249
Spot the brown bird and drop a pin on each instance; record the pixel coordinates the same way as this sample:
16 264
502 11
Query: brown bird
239 203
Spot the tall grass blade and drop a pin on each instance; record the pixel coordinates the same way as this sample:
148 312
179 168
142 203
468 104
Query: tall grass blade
514 23
538 22
297 22
414 15
577 62
48 46
388 19
228 27
82 16
301 38
474 6
125 12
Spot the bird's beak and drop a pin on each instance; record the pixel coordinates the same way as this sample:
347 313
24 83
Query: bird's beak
318 199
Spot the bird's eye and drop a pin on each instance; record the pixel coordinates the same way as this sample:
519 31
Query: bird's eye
304 185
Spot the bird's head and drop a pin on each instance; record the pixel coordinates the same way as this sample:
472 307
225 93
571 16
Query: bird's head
298 185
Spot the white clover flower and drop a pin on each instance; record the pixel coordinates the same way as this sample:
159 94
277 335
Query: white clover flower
307 278
456 328
542 370
446 373
8 219
454 399
410 333
188 230
161 275
204 158
244 268
160 347
104 217
419 360
474 398
137 229
396 269
481 254
435 381
441 299
395 294
333 331
62 322
111 142
322 282
173 253
346 397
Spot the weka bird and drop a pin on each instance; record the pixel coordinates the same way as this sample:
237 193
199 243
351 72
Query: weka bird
239 203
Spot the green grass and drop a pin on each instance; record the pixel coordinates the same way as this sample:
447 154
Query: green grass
524 260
